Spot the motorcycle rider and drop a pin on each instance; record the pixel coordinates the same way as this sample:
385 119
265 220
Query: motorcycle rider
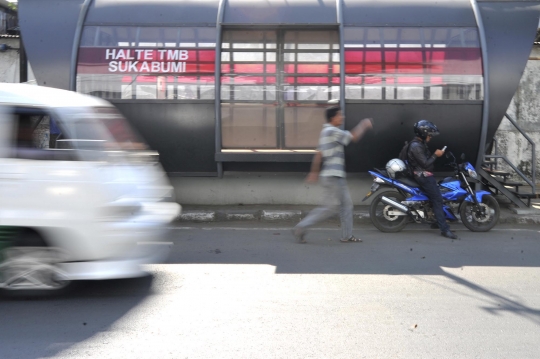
421 160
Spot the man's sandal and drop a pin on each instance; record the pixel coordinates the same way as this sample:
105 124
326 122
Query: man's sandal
352 239
299 235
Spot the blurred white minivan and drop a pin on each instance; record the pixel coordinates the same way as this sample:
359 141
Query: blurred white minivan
81 196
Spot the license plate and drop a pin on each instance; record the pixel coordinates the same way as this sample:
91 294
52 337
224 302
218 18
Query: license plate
374 187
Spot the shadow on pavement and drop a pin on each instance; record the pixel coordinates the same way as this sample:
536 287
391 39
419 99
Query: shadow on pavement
49 326
411 252
497 303
415 252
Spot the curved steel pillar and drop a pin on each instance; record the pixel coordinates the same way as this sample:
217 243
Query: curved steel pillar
485 66
217 83
76 42
339 8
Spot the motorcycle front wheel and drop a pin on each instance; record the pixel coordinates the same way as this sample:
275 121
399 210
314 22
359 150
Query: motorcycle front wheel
385 217
481 218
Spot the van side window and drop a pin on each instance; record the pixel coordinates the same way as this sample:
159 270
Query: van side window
34 140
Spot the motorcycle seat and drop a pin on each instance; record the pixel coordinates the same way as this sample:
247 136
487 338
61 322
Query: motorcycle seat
409 182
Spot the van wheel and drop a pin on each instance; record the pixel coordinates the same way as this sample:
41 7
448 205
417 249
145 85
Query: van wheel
30 268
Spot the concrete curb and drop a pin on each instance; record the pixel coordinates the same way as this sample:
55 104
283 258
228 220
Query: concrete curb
360 217
225 215
520 219
197 216
276 215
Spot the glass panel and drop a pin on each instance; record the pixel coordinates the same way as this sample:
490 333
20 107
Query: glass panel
248 88
303 124
105 86
312 93
88 37
113 67
248 46
353 92
305 39
289 57
471 38
313 46
106 37
313 57
335 92
271 93
248 56
410 93
154 36
249 37
111 36
312 67
251 93
411 60
248 125
147 87
373 92
315 68
249 80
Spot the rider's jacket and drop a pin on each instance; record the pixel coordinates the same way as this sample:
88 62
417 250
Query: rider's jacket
420 158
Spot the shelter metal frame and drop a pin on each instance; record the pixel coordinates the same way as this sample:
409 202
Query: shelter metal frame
485 66
76 43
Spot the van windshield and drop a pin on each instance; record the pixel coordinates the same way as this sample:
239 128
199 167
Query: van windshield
99 128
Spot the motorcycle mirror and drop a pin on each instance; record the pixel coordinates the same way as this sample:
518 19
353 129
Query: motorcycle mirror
462 156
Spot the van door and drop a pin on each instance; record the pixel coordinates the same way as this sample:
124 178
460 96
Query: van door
10 171
30 183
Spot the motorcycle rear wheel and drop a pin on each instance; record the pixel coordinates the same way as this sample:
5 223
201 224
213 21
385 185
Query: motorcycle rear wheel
476 221
379 213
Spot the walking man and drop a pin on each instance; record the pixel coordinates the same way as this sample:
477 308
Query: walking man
332 176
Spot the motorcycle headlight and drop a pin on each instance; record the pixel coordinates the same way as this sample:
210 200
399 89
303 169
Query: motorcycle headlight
473 174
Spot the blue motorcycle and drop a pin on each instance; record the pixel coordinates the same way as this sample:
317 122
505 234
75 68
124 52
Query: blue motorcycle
390 211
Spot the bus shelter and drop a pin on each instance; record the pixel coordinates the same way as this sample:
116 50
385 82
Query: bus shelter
238 85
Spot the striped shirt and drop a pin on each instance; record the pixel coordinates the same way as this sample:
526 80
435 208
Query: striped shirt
331 144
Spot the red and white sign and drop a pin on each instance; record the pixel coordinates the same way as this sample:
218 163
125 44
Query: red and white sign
145 61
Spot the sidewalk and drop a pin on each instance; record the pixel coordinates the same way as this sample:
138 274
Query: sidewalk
284 213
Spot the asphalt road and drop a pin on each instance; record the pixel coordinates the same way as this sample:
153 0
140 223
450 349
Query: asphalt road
243 292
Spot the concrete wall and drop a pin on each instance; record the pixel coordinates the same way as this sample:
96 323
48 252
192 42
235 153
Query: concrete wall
525 110
241 188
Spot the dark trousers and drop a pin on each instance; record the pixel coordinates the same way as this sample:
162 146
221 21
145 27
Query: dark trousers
429 185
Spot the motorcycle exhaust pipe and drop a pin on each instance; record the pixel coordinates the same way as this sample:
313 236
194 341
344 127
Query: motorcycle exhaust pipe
395 204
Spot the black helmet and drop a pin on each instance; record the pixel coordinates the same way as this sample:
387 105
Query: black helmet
424 128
